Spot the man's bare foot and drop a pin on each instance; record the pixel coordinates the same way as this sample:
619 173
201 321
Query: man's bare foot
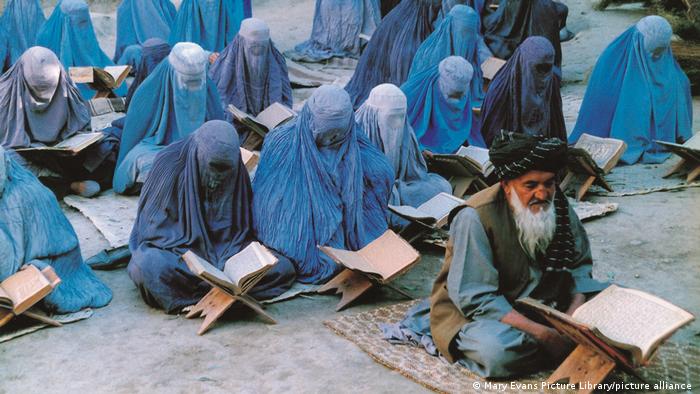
85 188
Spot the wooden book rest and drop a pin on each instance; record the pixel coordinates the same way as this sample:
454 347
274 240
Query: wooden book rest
586 181
213 305
461 184
7 315
351 285
693 169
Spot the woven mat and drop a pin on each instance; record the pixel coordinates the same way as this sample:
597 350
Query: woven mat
674 363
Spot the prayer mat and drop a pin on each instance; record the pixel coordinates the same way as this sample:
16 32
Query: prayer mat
303 76
22 325
588 210
674 363
113 215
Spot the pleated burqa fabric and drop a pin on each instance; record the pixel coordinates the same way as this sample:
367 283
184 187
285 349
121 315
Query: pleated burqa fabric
22 20
638 93
210 23
153 52
141 20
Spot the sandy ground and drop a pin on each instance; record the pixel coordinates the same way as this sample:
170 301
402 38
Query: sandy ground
650 243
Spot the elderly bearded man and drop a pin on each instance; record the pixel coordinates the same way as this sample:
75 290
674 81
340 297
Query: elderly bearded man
515 239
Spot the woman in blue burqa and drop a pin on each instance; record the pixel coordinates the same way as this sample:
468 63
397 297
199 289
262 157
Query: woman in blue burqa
153 52
320 181
439 106
171 103
198 198
139 21
383 119
337 28
40 105
251 73
210 23
21 21
456 35
638 93
69 33
34 230
389 54
516 20
524 95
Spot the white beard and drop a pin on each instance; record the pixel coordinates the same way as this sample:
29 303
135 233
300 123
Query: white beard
535 230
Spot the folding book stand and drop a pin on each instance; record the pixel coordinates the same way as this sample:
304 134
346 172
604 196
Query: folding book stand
353 284
217 301
7 315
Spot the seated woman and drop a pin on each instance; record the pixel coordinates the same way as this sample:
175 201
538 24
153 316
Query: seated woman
383 118
638 93
456 35
198 199
251 73
516 20
388 56
137 22
337 28
212 24
22 19
34 230
69 34
40 105
320 182
439 106
169 105
153 52
524 95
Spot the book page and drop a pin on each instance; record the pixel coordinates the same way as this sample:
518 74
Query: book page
118 74
410 212
247 263
249 159
478 155
274 115
208 272
81 74
440 206
602 150
632 317
490 67
4 297
79 141
389 255
349 259
237 113
26 287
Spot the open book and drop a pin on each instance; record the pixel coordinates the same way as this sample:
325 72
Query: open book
468 161
23 289
107 78
605 152
433 212
631 322
241 272
688 151
250 159
71 145
271 117
490 67
384 259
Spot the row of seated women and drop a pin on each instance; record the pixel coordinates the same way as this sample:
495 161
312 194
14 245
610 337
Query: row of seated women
324 178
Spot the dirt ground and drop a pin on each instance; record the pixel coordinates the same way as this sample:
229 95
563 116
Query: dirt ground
651 243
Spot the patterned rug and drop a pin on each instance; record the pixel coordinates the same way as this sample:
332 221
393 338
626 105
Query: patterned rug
674 363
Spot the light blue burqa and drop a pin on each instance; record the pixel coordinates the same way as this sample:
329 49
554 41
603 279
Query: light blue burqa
439 106
69 33
457 35
34 230
139 20
210 23
22 19
170 104
320 181
638 93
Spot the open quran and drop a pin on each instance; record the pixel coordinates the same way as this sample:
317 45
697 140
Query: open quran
71 145
432 213
689 152
103 80
590 159
274 115
466 169
23 289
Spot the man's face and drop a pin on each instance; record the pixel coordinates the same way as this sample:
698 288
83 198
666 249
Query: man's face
535 189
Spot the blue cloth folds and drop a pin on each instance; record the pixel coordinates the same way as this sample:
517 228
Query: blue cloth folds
210 23
320 181
153 52
637 97
140 20
21 21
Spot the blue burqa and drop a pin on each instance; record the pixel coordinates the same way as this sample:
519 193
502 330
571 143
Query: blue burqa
153 52
198 198
337 28
456 35
209 23
320 181
389 54
439 106
251 73
69 33
38 102
638 93
170 104
383 119
524 95
139 20
34 230
22 20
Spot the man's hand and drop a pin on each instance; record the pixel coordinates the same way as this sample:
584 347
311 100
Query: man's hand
557 345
